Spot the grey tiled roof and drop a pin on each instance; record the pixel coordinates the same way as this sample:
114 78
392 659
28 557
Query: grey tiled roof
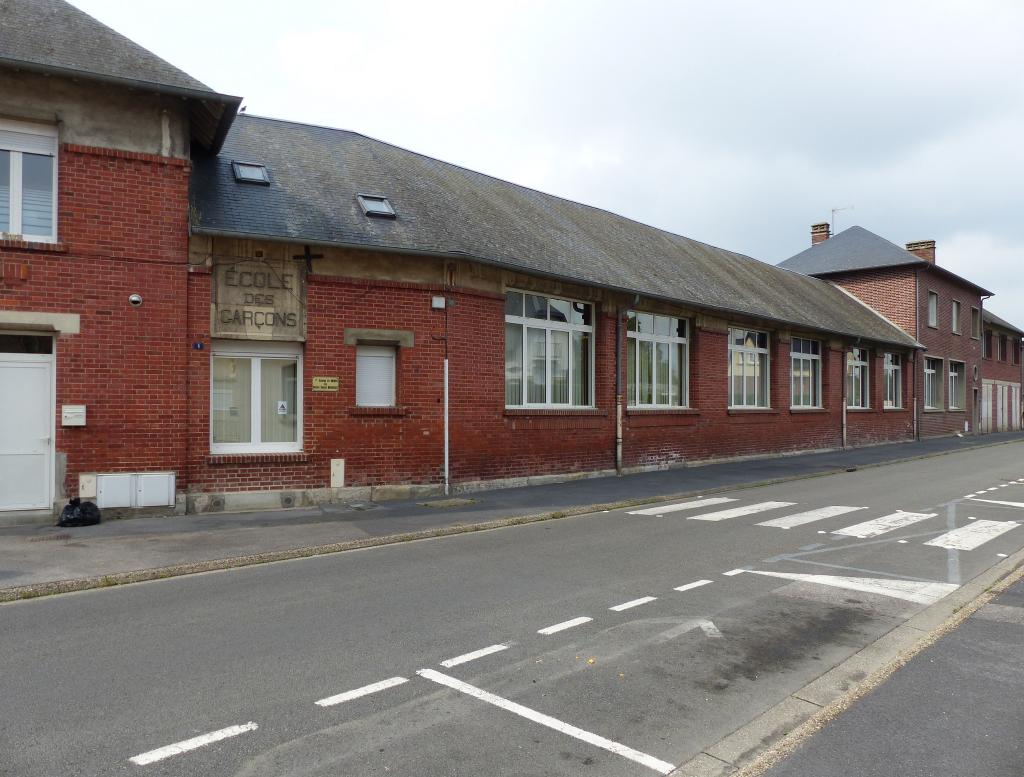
55 34
852 249
317 172
992 318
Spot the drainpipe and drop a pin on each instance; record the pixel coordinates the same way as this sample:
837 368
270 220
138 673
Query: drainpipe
845 367
618 390
918 354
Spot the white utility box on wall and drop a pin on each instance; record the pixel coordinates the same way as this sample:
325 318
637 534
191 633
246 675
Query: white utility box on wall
135 489
72 415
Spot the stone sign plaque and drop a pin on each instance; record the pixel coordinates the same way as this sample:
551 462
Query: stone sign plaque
259 299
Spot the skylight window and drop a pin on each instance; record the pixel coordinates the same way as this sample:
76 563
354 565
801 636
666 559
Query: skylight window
250 172
376 205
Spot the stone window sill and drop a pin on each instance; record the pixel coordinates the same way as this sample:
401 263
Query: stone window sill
752 411
861 410
32 245
802 410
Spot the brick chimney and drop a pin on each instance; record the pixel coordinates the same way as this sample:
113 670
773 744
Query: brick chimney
819 233
923 249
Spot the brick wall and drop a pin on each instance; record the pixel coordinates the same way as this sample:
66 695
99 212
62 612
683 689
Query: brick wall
889 291
122 227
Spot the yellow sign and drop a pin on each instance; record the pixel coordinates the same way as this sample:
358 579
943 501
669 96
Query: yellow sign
324 383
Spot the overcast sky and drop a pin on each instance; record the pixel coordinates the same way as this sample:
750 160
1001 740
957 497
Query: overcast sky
738 124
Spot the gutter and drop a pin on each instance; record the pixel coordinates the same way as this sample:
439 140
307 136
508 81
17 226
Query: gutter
459 254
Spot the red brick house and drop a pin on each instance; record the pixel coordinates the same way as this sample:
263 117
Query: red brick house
209 311
938 308
1001 370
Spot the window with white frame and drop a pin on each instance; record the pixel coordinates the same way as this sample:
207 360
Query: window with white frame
549 351
893 380
748 368
656 361
957 385
255 397
933 384
955 316
933 309
28 181
857 378
805 372
375 375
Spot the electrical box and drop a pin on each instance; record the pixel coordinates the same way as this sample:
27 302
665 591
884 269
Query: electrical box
87 487
337 473
437 303
72 415
136 489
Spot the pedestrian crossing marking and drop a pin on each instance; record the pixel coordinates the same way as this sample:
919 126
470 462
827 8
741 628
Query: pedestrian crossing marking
918 591
883 525
715 500
736 512
972 535
819 514
998 502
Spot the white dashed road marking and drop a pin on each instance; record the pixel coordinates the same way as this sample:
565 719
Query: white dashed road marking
662 767
736 512
465 658
717 500
355 693
565 625
973 535
633 603
732 572
883 525
909 590
694 584
191 744
799 519
997 502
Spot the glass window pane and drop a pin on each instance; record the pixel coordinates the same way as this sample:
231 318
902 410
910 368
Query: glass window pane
662 326
736 370
559 368
679 327
37 195
582 313
631 371
514 363
795 391
762 380
279 393
560 310
580 368
536 307
5 191
661 373
513 303
631 321
231 400
646 373
678 371
537 376
645 323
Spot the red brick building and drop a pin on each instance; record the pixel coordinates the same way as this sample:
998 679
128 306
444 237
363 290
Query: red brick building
208 311
1001 370
941 310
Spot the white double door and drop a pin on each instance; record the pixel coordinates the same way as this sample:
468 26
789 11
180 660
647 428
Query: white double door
26 429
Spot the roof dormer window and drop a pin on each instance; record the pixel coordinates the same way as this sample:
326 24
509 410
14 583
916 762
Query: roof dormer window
251 172
376 205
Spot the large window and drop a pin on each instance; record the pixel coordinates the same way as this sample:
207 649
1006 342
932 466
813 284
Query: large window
893 381
955 316
549 351
806 372
857 378
28 181
748 368
255 398
957 385
933 384
933 309
656 360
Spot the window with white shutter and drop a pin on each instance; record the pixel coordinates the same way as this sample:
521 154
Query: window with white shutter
28 181
375 376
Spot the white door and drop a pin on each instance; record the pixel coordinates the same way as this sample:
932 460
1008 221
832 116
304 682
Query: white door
26 423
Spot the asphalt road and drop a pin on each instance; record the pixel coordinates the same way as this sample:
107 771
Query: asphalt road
94 679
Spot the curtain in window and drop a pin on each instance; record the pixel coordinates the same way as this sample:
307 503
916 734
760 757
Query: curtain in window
559 367
230 410
5 191
536 355
278 397
514 363
37 195
580 368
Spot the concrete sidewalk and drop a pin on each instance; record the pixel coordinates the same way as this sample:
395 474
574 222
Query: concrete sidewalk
38 559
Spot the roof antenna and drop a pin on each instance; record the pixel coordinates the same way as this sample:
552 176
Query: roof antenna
834 211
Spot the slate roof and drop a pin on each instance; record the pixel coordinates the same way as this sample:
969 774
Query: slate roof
852 249
443 209
991 318
53 36
857 248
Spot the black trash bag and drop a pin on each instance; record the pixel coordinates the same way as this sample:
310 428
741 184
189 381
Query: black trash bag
79 513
